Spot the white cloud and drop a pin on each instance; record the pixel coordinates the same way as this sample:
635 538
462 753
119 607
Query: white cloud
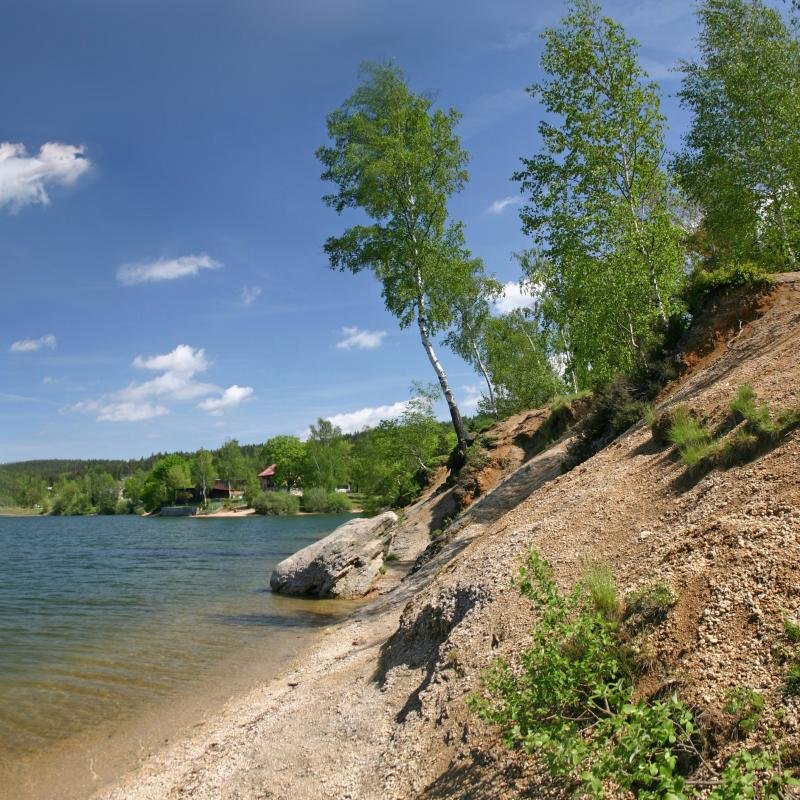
31 345
515 297
361 340
354 421
470 402
24 178
250 294
177 383
230 398
165 269
499 206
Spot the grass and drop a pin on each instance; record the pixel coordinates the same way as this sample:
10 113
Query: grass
792 630
700 449
746 706
391 557
649 605
599 583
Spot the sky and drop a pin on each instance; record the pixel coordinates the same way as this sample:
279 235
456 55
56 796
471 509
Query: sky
164 285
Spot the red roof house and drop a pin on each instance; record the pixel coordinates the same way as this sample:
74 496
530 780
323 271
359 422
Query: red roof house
266 476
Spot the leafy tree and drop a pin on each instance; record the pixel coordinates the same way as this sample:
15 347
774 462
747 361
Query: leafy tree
204 472
169 475
600 200
231 464
519 362
31 491
327 456
70 498
398 160
472 312
288 454
103 491
133 489
741 161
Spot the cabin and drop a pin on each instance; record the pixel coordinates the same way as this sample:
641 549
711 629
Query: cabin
267 478
220 491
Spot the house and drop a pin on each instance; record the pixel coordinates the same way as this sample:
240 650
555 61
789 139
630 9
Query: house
220 491
266 478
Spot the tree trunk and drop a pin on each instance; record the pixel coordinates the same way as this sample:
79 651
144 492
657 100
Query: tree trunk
485 374
455 414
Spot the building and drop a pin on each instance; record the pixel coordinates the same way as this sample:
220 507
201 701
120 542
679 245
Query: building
266 478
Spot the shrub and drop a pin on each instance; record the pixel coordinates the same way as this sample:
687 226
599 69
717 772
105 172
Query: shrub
376 504
746 705
570 700
694 440
277 504
793 677
319 500
649 605
613 408
707 283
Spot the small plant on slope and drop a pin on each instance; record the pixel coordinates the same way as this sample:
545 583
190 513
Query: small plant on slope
695 442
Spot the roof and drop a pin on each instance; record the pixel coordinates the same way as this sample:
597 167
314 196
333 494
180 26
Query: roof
268 472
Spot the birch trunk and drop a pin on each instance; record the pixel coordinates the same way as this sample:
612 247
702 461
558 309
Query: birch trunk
485 374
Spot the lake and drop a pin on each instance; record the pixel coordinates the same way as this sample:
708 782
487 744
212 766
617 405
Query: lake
105 618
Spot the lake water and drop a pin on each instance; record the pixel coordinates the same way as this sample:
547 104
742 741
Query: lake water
103 617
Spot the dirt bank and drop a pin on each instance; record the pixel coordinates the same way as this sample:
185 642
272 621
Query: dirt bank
379 712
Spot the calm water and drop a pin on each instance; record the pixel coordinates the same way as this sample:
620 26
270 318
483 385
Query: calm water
100 616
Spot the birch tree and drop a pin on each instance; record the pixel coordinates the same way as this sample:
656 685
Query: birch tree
741 161
599 196
398 159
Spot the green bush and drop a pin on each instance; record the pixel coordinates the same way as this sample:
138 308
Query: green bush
376 504
276 504
570 701
706 283
649 605
695 442
792 630
320 501
746 706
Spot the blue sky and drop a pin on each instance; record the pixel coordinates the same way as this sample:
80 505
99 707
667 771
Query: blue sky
164 284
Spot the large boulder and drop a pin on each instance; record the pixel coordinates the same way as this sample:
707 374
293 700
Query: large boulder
343 564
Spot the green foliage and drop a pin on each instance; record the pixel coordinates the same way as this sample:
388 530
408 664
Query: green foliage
165 482
516 355
204 472
746 706
600 200
70 498
649 605
792 630
695 442
570 702
793 677
741 155
613 408
375 504
230 462
288 455
706 283
276 504
397 159
599 583
319 500
327 456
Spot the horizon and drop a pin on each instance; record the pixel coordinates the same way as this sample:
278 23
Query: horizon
167 284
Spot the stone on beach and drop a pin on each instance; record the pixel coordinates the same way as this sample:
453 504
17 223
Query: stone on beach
344 564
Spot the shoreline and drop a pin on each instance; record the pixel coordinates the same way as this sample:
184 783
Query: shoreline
95 760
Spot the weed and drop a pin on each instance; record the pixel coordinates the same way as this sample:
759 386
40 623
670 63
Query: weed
391 557
746 706
792 630
649 605
571 702
599 582
793 677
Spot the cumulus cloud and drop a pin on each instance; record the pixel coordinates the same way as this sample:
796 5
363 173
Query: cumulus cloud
177 382
360 340
24 178
499 206
473 397
355 421
230 398
516 296
31 345
250 294
165 269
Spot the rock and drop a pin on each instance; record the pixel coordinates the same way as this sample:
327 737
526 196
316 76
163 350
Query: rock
343 564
